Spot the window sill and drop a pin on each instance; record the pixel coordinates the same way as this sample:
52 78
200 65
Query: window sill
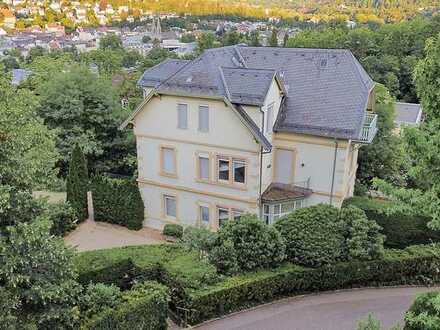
168 175
236 186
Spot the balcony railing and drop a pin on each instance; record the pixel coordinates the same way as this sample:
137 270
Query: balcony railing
369 129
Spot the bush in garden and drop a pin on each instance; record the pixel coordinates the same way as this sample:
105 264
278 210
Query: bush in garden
198 239
145 306
77 183
424 313
118 201
63 217
256 244
173 230
224 257
313 235
98 297
363 240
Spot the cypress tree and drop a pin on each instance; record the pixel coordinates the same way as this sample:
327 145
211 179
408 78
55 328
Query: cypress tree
77 182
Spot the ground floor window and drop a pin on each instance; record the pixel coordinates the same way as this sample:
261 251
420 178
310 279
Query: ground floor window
204 215
225 214
272 212
170 206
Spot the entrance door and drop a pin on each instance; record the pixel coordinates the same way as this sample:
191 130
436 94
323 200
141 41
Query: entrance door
284 165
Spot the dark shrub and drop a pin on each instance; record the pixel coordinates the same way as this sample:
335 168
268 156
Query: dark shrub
173 230
98 297
313 235
400 230
77 183
363 240
424 313
63 217
256 244
118 201
145 306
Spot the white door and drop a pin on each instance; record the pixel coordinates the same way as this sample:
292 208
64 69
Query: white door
284 165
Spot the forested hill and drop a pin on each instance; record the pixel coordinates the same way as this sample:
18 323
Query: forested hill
363 11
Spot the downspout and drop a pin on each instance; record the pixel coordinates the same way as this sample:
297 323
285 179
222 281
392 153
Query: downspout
261 167
333 172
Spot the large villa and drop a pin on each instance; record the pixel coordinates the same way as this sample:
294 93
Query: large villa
250 130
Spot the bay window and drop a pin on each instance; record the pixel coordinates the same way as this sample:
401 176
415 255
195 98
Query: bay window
272 212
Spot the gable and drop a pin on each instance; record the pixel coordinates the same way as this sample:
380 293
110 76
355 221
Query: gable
158 118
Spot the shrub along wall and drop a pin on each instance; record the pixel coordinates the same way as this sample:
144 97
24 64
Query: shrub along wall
416 265
117 201
143 307
401 230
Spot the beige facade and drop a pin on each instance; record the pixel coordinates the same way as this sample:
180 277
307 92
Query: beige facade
236 170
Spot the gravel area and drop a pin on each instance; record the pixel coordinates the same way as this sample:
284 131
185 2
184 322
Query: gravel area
91 235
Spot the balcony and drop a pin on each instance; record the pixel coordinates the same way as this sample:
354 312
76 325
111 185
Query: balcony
369 129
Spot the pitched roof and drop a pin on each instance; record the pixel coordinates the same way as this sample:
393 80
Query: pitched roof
257 85
326 90
161 72
407 113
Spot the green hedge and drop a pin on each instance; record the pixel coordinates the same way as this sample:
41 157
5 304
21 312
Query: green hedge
174 230
167 263
143 307
117 201
415 265
401 230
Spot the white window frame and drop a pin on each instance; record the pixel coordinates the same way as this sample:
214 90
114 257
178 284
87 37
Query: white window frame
231 171
207 207
227 159
203 129
273 212
179 124
165 209
228 210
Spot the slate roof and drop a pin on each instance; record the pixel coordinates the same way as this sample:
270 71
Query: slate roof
407 113
326 90
159 73
19 75
247 86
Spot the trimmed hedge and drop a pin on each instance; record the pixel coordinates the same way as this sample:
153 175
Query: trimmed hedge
143 307
401 230
117 201
166 263
173 230
415 265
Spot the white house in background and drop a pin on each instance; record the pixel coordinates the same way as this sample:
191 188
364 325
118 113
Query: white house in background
250 129
407 114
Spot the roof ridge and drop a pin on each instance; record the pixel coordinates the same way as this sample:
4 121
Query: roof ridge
247 68
241 58
228 94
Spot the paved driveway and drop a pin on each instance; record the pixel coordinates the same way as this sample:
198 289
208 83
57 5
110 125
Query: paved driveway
91 235
328 311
